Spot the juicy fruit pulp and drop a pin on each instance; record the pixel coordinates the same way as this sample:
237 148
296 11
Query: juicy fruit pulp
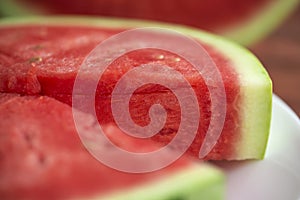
42 157
41 56
54 76
44 59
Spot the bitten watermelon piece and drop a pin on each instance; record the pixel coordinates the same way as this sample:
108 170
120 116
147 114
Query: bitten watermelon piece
42 157
42 56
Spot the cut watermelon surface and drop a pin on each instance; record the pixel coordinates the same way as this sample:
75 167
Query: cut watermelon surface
243 21
4 97
42 157
42 56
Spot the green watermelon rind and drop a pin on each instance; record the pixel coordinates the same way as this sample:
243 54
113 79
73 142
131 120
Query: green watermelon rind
256 96
262 23
192 183
256 85
247 32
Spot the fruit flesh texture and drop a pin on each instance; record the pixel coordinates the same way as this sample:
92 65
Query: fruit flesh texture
44 60
4 97
42 156
209 15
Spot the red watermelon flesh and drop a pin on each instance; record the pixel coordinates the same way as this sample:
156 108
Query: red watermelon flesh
45 59
4 97
42 156
209 15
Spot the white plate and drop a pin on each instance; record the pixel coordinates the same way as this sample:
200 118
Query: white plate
277 177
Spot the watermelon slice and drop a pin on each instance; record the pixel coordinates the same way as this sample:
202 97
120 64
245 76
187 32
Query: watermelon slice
42 157
244 22
43 55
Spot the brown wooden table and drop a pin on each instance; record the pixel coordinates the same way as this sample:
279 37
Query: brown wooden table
280 54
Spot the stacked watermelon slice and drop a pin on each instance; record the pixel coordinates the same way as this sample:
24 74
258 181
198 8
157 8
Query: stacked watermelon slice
42 157
41 153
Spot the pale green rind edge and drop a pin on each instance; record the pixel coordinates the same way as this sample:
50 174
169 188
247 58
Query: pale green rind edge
256 97
246 33
256 85
197 182
262 23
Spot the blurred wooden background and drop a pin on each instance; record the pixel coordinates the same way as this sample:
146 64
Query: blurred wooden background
280 54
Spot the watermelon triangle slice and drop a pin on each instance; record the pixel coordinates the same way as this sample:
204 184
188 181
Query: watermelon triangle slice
42 157
42 55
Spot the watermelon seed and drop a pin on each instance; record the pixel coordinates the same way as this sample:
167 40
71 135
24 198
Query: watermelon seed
35 59
28 137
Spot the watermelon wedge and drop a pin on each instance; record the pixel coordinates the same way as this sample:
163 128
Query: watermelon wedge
243 21
42 157
42 56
